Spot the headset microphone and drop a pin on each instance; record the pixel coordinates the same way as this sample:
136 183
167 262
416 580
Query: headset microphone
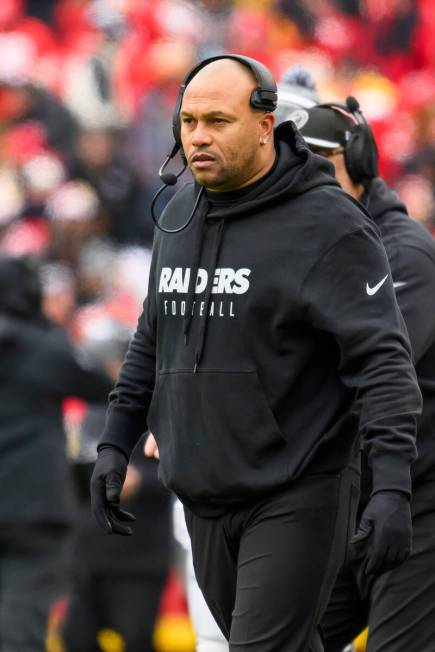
168 178
352 104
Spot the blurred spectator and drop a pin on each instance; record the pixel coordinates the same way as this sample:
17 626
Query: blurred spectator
150 137
29 238
75 215
424 163
96 267
59 293
39 369
89 87
21 102
11 197
102 162
41 175
417 193
27 33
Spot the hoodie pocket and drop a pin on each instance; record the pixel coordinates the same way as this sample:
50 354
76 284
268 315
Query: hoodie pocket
217 436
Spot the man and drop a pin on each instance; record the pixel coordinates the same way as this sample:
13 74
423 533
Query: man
256 339
39 370
398 606
296 89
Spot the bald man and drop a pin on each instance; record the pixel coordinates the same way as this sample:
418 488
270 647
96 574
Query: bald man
259 360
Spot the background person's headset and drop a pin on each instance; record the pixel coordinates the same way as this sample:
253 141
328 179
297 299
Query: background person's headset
264 97
360 150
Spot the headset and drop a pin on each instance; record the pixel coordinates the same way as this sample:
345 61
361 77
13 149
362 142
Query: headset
360 150
264 97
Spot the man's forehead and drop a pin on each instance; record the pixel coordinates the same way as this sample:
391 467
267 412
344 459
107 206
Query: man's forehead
220 80
211 102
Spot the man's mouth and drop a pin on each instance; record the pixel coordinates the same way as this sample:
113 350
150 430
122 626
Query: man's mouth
202 161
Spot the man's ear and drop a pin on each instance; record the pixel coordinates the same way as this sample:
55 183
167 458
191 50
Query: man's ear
266 125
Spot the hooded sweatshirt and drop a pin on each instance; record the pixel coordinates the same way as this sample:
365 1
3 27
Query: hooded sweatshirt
38 370
270 339
411 253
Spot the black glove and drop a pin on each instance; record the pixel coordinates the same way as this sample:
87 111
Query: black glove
384 534
106 485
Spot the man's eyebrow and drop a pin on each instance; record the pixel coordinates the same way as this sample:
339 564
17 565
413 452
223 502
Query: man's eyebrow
209 114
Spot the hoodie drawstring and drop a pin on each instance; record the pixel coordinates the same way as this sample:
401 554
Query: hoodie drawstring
199 236
212 266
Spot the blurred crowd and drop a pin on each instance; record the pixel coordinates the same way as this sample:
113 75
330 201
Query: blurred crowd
87 89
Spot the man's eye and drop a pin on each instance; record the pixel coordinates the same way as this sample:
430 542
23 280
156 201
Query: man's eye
187 121
219 121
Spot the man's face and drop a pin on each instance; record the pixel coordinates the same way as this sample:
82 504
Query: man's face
336 157
220 132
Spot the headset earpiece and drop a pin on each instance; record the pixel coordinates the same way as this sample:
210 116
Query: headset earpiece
360 150
360 153
265 97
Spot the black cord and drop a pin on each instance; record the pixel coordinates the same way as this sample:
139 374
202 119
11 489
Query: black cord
184 226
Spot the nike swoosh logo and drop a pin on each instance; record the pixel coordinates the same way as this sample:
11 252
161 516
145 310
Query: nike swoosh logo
371 291
399 284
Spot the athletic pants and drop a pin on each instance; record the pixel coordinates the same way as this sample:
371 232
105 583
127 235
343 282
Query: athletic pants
399 606
267 570
33 572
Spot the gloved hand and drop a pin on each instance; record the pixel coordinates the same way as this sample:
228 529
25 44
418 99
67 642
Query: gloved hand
384 532
106 485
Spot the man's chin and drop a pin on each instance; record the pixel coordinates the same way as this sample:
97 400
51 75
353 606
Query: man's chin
210 180
206 178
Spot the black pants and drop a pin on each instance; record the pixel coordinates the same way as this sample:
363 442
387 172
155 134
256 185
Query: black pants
124 607
33 574
399 607
266 571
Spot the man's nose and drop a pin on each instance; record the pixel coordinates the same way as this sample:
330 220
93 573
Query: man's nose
201 135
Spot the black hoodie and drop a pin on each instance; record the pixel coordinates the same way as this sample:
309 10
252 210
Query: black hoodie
251 379
411 253
38 370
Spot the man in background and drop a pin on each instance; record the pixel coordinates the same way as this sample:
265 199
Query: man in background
398 606
39 369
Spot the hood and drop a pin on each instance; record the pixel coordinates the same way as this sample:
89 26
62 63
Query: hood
296 170
380 199
20 291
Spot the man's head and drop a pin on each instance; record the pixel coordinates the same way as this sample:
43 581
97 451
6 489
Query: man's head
340 133
20 289
228 144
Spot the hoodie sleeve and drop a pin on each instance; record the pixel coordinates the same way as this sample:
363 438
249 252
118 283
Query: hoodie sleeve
413 272
130 399
349 293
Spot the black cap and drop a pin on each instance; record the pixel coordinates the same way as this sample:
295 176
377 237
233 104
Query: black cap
323 126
